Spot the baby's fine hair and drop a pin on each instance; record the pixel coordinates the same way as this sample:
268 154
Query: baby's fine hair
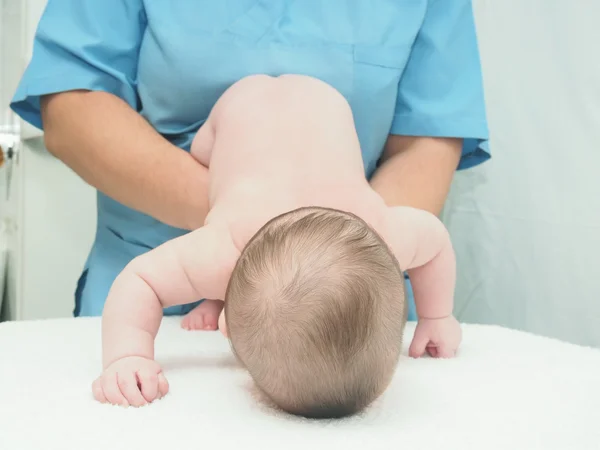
315 312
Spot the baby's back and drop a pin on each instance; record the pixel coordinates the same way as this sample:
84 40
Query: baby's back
280 144
291 128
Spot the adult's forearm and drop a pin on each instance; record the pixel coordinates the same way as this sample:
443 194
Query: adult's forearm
417 171
111 147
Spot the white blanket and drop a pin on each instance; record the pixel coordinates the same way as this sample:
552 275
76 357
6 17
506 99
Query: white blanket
505 390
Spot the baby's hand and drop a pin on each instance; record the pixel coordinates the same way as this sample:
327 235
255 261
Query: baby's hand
439 337
133 381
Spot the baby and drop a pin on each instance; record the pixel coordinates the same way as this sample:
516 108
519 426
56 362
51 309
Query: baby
306 256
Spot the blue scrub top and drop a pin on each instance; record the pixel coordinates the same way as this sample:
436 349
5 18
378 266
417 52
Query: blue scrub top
407 67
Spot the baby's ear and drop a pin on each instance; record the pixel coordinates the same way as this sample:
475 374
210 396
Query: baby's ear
223 324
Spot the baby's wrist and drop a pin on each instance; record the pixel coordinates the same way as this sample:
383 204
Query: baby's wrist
435 317
112 359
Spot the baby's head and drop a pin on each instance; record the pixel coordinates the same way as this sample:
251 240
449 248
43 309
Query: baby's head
315 311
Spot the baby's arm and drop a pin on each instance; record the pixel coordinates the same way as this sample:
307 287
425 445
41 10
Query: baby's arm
422 246
183 270
192 267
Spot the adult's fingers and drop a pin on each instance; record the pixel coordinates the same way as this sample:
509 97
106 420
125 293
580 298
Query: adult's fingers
129 388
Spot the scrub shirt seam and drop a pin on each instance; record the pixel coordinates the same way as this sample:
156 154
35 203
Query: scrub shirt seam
479 125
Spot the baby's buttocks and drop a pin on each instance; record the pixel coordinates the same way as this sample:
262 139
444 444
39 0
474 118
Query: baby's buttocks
192 54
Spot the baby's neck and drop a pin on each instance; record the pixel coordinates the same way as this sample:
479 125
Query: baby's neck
250 211
358 199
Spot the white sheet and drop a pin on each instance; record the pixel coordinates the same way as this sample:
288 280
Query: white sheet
506 390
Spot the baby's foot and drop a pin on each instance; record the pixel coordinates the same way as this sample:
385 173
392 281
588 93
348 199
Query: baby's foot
204 316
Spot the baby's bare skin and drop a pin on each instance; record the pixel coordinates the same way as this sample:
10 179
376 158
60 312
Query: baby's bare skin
272 145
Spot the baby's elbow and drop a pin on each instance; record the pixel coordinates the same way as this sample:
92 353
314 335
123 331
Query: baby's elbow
433 239
439 236
440 231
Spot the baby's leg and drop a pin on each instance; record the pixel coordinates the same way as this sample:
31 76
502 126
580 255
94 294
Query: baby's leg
204 316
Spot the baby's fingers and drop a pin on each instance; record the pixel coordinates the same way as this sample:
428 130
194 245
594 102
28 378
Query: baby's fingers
163 385
129 388
418 345
433 351
148 382
445 351
112 393
97 390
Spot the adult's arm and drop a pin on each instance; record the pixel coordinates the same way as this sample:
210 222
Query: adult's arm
108 144
417 171
80 87
440 119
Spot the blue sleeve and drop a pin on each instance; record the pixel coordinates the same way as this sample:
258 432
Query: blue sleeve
441 90
82 44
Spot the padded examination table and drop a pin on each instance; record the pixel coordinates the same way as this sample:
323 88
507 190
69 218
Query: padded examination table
505 390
